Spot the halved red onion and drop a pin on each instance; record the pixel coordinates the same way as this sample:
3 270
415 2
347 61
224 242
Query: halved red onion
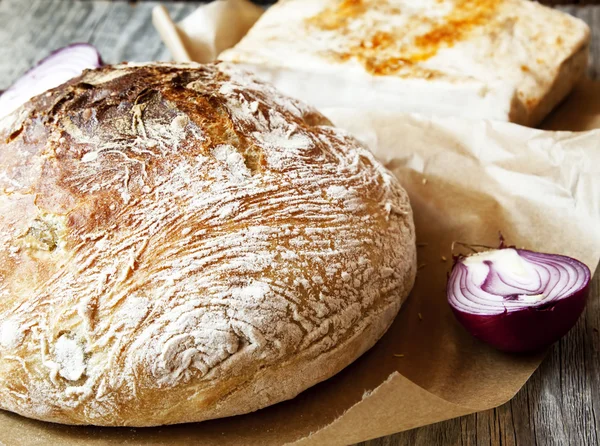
52 71
518 300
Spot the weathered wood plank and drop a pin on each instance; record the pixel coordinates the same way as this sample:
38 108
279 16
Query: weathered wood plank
30 29
559 404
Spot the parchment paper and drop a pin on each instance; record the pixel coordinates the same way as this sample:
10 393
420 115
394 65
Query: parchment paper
209 30
467 180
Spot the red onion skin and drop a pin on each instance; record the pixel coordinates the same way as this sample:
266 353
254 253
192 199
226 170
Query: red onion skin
529 329
100 62
25 82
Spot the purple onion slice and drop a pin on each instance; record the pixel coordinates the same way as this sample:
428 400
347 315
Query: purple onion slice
52 71
518 300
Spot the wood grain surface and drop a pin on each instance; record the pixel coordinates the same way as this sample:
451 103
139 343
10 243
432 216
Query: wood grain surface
559 405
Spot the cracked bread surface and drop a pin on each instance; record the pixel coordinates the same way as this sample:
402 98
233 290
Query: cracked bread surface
183 242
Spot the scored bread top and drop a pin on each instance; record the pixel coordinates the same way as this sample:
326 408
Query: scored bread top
170 233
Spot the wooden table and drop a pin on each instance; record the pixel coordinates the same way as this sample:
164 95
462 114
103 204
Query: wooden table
559 405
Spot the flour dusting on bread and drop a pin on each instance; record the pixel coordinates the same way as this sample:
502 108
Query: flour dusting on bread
177 241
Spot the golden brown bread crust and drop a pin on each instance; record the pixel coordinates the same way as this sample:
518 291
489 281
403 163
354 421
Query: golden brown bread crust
180 243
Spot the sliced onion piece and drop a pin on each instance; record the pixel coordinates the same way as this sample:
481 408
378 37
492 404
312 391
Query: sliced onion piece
518 300
52 71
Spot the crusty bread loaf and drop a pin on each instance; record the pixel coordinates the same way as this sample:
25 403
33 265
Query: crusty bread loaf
510 60
183 242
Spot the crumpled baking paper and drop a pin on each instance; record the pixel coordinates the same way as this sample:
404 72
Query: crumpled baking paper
209 30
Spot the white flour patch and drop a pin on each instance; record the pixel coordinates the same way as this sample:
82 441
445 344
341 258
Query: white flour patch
69 357
10 333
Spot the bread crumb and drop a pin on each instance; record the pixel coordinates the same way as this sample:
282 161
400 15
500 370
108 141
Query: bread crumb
424 181
444 258
399 355
420 316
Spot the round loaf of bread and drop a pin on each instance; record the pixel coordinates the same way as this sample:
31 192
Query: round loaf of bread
182 242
